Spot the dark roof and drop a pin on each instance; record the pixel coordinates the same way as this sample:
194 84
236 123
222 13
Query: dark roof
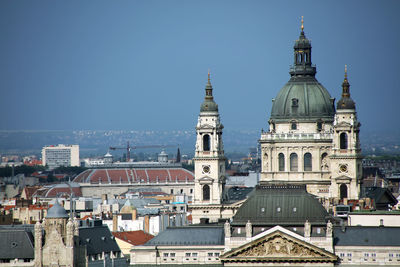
381 196
236 193
97 239
280 205
16 243
366 236
189 236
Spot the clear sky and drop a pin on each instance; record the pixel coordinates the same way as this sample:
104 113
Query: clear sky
141 65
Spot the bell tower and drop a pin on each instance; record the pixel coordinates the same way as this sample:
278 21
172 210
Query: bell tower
209 160
346 151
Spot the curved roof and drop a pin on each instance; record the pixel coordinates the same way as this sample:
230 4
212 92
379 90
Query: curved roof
209 104
56 212
303 99
281 205
136 175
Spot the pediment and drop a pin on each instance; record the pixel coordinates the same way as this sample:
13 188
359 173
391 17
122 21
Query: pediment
206 180
278 247
343 179
343 124
206 126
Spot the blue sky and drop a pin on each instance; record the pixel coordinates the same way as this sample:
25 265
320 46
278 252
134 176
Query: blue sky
143 64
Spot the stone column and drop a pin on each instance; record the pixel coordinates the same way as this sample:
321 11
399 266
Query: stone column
38 244
307 230
249 230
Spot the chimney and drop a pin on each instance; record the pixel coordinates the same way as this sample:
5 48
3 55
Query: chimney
147 224
115 222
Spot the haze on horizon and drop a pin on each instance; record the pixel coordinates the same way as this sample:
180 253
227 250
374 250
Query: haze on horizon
143 64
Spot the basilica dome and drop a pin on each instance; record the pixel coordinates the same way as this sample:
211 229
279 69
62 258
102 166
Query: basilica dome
303 98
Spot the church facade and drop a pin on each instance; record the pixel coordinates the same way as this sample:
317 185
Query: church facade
309 142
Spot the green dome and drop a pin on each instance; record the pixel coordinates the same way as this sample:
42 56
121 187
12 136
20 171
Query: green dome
281 204
209 104
303 99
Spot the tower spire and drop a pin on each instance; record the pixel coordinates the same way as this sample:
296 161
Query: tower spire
302 23
209 104
345 102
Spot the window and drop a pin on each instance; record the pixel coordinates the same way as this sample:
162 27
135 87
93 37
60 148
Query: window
343 191
278 209
172 254
295 102
181 191
165 255
293 126
293 162
366 256
319 231
349 255
319 126
281 159
206 142
341 255
206 192
187 254
307 162
343 141
216 254
172 191
191 190
373 255
194 254
210 254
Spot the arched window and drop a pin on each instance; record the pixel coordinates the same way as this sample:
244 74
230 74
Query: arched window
281 159
324 162
293 162
206 142
343 141
206 192
307 162
343 191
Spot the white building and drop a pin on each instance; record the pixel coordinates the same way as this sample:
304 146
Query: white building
60 155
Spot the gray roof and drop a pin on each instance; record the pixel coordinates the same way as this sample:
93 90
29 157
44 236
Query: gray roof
16 243
97 239
57 212
284 205
366 236
236 193
189 236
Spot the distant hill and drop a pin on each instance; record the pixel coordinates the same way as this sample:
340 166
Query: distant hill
96 142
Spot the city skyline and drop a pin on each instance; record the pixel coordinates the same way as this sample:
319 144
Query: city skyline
143 65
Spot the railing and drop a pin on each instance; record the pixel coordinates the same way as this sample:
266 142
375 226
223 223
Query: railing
296 136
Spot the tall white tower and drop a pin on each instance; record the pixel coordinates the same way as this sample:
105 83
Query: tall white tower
346 151
209 161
